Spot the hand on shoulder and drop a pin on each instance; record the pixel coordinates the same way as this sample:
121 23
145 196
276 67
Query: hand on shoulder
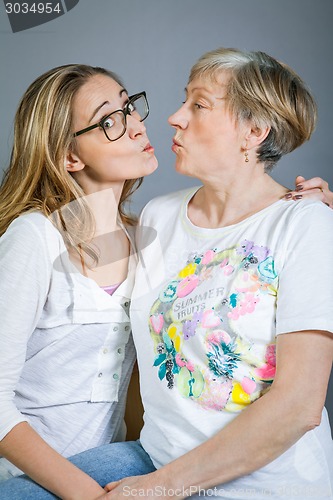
314 188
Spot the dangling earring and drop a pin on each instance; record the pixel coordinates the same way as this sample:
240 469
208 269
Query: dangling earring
246 154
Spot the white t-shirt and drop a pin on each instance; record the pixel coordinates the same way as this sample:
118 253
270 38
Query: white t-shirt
206 308
66 351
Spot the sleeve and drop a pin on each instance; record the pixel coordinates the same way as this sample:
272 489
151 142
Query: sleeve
305 294
24 282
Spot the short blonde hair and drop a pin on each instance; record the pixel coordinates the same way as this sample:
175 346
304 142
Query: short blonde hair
267 93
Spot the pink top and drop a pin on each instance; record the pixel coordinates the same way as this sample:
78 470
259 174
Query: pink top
110 289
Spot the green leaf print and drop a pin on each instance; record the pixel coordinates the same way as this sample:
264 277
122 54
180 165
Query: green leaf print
159 359
162 371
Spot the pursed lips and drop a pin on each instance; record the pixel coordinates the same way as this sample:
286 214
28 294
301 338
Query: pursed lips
148 148
176 145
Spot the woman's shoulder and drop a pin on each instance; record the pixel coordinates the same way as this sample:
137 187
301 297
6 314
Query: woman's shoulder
310 211
305 224
168 204
30 228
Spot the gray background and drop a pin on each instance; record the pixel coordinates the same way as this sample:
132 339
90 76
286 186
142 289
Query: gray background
151 44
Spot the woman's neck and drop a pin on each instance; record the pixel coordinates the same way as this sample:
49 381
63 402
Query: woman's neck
104 208
109 241
233 200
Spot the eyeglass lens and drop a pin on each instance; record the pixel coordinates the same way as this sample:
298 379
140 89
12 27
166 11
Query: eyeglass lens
114 125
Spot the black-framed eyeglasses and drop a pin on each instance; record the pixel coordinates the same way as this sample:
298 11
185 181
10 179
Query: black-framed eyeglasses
114 124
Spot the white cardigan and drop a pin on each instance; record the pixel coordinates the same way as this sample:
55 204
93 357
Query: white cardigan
65 354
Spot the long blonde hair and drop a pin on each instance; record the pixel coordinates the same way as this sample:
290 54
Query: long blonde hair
36 178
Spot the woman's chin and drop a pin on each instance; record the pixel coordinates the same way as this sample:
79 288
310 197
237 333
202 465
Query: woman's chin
151 166
183 169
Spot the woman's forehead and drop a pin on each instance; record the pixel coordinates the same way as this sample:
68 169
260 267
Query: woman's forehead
214 85
99 87
99 91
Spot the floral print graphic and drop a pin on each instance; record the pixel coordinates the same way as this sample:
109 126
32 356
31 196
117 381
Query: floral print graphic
199 326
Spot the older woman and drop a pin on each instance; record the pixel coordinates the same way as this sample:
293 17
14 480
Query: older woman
231 310
233 318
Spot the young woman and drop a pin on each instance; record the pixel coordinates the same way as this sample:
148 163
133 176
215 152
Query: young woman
66 273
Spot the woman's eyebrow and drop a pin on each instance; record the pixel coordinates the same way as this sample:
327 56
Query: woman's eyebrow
97 109
122 91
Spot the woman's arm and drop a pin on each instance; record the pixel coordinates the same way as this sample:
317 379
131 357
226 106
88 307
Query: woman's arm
27 450
24 281
262 432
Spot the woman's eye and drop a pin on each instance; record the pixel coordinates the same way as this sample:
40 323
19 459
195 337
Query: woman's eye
198 106
108 123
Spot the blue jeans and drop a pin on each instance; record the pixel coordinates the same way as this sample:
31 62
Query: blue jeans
105 464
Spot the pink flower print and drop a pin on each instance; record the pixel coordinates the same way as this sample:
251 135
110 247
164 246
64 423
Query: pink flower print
227 268
234 314
187 285
249 303
248 385
217 336
208 257
246 306
180 360
271 354
190 366
216 393
157 322
267 371
210 320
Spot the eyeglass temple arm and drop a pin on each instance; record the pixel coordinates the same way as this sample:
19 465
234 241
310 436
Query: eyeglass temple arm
86 129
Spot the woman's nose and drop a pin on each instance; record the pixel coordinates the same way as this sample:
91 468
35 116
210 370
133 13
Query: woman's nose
178 119
135 126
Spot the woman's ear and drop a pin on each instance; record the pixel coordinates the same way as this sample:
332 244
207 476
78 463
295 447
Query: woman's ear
256 136
73 162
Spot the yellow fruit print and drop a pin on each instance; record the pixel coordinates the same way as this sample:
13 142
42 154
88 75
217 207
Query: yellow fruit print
175 333
239 396
187 270
239 399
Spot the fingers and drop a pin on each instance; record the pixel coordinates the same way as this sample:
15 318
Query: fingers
314 194
111 486
315 188
315 183
299 179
